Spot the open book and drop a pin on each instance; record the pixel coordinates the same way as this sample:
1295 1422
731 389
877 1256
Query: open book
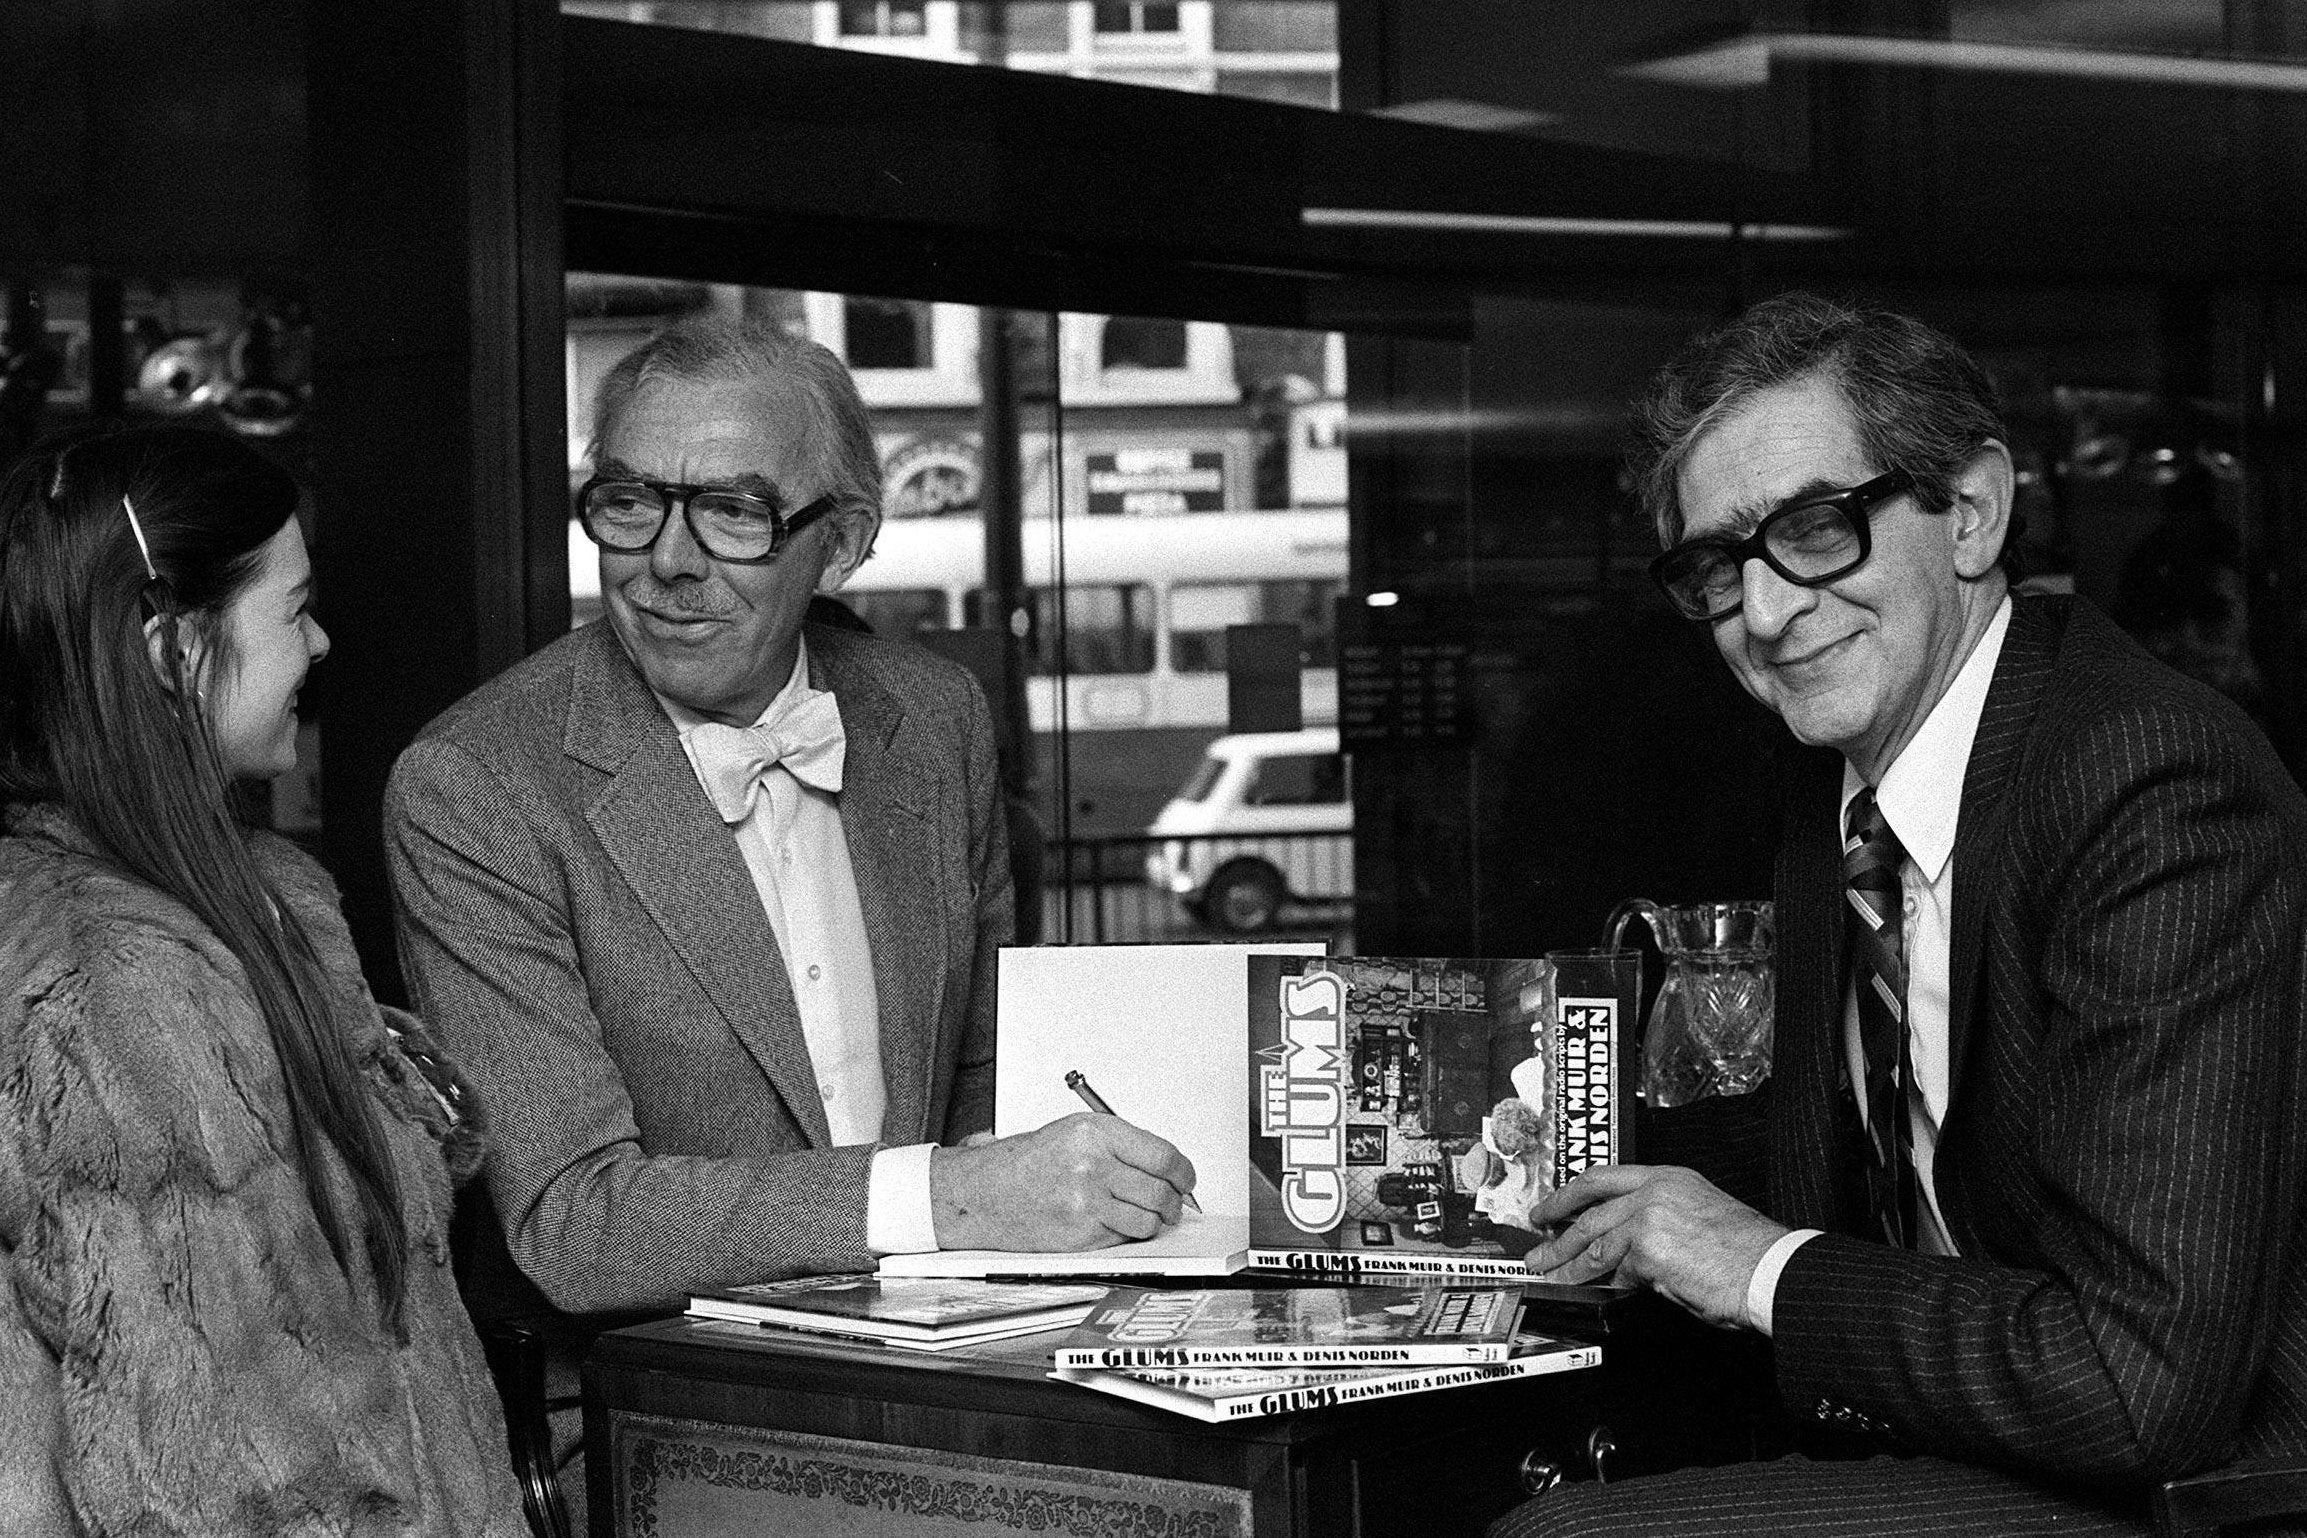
1346 1116
1157 1031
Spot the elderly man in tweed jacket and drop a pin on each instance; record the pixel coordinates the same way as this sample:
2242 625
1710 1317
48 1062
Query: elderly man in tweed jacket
2036 1121
708 900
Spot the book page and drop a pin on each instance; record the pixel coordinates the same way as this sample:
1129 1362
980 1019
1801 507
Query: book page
1156 1029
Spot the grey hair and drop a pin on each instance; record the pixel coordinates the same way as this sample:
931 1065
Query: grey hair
1920 403
837 451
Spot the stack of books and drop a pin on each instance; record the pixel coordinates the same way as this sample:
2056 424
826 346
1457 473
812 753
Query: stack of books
1221 1354
919 1313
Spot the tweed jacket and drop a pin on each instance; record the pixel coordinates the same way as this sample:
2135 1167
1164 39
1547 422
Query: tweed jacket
580 927
2120 1165
180 1350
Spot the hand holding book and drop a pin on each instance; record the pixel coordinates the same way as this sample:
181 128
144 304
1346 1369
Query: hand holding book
1082 1182
1660 1227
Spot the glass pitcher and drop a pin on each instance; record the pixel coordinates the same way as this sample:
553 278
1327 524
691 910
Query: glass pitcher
1709 1030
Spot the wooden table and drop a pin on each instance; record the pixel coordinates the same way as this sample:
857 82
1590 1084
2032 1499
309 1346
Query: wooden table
699 1429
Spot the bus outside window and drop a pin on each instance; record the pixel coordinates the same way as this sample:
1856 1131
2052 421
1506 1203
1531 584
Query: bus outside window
1108 629
1199 615
1201 611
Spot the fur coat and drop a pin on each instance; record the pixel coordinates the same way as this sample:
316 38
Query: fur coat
180 1351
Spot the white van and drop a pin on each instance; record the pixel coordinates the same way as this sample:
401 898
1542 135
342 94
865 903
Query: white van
1265 819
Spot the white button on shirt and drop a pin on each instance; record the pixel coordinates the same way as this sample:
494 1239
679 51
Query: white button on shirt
1921 796
794 849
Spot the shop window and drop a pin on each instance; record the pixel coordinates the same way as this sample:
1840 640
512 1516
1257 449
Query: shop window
886 333
1135 16
1139 341
884 18
1038 26
1276 26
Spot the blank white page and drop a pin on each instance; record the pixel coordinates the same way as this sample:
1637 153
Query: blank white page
1162 1033
1160 1030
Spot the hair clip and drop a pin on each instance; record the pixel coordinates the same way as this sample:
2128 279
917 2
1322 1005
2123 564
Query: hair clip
142 548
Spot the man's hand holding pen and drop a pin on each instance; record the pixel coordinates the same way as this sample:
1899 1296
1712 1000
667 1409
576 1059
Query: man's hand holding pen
1078 1082
1081 1183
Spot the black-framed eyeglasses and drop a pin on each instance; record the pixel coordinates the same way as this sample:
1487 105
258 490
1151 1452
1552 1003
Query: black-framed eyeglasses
625 513
1809 542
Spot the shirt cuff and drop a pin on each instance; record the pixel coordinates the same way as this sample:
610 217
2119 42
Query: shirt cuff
898 1217
1762 1287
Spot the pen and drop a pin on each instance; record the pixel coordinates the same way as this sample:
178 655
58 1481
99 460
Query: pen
1075 1081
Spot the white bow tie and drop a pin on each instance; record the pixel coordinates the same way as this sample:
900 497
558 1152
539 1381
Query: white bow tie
806 738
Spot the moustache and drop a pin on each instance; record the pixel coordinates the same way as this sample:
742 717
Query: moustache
647 592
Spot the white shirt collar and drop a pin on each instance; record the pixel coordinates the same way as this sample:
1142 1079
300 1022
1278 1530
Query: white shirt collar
1921 794
796 689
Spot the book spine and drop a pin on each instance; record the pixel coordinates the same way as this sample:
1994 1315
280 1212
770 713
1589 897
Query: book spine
1429 1354
1162 1397
1587 1115
1455 1377
1352 1263
1315 1396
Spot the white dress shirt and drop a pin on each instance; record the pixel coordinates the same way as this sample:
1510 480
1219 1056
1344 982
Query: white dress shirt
1921 796
794 849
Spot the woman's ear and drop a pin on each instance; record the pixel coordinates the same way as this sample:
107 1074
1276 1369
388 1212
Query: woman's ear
189 653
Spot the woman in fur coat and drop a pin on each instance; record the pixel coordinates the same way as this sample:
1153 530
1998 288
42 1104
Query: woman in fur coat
225 1173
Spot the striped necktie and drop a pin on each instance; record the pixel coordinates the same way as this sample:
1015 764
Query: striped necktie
1871 857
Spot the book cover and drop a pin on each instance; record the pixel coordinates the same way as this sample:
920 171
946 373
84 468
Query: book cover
1406 1114
1304 1326
1218 1394
901 1308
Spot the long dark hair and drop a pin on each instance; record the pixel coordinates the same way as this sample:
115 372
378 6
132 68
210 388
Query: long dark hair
85 721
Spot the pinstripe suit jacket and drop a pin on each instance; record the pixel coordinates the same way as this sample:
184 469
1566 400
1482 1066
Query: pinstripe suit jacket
2121 1161
579 924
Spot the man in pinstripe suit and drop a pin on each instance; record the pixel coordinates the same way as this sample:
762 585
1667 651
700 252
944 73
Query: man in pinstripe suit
2058 1259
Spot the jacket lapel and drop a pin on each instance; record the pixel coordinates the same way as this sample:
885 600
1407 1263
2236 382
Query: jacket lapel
682 865
2030 648
888 802
1815 1114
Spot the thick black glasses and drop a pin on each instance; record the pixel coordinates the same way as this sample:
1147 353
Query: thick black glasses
1808 542
625 513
